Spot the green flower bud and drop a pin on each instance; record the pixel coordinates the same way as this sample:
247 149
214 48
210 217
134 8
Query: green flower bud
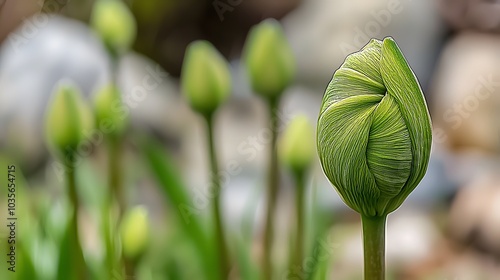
116 25
205 77
108 109
269 59
374 130
134 232
296 147
67 119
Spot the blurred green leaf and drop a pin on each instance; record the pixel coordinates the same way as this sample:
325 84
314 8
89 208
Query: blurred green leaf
320 222
243 245
176 193
25 269
246 268
65 268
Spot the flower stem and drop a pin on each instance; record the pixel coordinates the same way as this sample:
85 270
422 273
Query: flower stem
78 260
130 269
115 178
216 203
114 152
109 238
374 246
116 194
272 192
299 208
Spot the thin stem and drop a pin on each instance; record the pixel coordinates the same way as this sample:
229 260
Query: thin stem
130 267
115 178
77 258
374 247
116 193
299 208
114 151
109 239
216 203
272 192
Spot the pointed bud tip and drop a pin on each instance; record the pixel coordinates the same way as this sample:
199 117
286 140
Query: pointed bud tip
67 119
297 144
205 77
135 231
269 60
115 24
109 110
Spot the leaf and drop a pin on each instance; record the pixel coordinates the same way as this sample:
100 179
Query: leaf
175 192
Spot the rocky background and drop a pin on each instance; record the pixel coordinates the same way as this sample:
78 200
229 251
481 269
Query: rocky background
449 228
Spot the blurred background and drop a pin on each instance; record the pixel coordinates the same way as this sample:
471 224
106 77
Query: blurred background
448 228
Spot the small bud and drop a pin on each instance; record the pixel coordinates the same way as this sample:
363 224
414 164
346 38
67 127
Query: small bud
297 145
205 78
134 232
116 25
269 60
108 108
67 119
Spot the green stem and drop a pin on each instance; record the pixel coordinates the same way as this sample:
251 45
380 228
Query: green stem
115 178
116 195
374 247
114 150
216 203
130 267
109 239
78 260
299 208
272 192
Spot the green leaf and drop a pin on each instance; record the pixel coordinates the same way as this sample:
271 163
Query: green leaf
25 268
66 264
175 192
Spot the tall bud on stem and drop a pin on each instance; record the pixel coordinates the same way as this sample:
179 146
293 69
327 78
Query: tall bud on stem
270 66
206 84
297 152
374 139
67 120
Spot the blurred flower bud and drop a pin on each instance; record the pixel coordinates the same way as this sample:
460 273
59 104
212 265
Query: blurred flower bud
297 147
269 60
205 78
116 25
134 232
374 131
68 118
109 110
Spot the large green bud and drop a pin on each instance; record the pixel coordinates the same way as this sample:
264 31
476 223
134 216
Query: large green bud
374 130
67 119
115 24
269 59
205 77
